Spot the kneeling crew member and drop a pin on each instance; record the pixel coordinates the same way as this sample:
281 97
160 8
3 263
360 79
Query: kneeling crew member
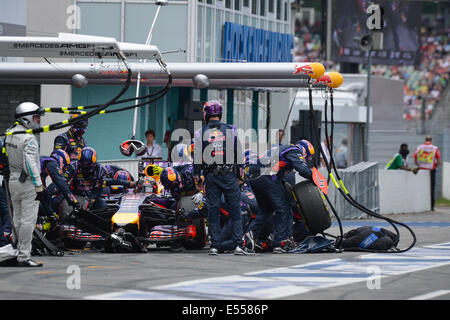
270 192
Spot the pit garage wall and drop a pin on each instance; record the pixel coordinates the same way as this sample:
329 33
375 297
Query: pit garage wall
106 132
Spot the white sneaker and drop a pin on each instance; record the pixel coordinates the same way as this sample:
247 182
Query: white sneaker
243 251
213 251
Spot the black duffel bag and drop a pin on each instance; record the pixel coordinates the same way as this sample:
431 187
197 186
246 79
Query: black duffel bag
368 239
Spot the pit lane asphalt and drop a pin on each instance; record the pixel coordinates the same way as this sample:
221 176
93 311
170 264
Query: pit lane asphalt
103 273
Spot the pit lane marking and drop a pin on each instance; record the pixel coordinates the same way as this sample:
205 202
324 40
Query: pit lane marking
431 295
287 281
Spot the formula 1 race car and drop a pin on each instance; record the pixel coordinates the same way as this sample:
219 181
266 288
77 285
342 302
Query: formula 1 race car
133 219
136 218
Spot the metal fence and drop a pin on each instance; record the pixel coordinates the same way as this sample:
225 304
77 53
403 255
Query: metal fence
361 181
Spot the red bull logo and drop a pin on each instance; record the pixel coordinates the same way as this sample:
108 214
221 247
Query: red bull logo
325 79
331 79
304 69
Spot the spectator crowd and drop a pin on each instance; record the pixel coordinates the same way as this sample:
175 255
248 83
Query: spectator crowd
424 85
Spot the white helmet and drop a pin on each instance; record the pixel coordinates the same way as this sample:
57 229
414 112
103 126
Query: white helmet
25 112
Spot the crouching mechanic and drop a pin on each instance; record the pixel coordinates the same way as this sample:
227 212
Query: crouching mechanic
86 179
54 167
179 181
25 184
270 192
213 145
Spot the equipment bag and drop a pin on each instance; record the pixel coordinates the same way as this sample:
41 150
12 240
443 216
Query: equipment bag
369 239
315 244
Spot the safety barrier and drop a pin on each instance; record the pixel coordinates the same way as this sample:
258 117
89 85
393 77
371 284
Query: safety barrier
361 181
446 180
404 192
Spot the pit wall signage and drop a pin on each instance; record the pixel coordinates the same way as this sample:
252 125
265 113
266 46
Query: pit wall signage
243 43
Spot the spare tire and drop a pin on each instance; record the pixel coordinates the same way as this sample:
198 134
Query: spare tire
312 206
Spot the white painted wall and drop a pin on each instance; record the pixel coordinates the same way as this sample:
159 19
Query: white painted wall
53 96
402 191
446 180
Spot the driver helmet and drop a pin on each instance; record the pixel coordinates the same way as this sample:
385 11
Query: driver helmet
307 149
87 159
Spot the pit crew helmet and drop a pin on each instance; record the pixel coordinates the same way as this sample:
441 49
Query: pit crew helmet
87 158
212 108
25 113
170 179
79 127
62 157
308 149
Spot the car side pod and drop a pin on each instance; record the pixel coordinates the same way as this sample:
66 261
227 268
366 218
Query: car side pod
311 204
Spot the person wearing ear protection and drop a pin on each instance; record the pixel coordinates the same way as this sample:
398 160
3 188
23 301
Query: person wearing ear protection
72 141
25 185
86 178
270 192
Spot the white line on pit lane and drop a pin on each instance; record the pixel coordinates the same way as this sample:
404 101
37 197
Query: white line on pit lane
430 295
287 281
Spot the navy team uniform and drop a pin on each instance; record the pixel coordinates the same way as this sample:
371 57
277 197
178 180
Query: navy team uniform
220 178
50 168
271 195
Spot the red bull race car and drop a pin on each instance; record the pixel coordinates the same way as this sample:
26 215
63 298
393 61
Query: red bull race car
133 219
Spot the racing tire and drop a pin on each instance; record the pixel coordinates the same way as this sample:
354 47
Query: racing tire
74 244
312 207
199 241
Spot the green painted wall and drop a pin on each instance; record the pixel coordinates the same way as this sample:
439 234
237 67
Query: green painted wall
106 132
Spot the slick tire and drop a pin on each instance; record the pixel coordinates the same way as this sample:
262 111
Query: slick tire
74 244
200 238
312 206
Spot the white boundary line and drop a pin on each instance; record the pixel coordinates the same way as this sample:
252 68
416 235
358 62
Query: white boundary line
430 295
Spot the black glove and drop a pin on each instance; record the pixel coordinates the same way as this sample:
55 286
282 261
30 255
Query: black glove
75 204
40 196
